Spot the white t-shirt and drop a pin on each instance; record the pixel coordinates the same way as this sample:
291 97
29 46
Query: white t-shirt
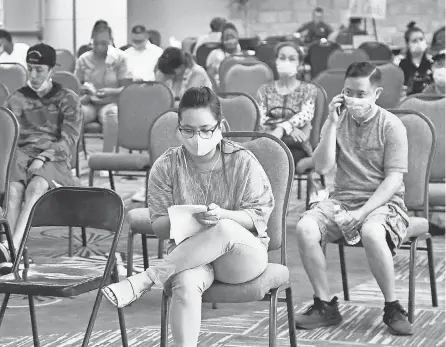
18 54
142 63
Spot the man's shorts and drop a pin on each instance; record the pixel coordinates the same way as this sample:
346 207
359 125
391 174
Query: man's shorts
391 217
55 173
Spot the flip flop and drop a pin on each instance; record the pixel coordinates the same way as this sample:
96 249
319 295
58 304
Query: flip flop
122 294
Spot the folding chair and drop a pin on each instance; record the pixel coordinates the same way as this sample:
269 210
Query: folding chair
422 141
65 60
276 159
9 135
13 76
138 106
76 207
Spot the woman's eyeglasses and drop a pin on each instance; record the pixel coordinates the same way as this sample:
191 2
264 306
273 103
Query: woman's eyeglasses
204 134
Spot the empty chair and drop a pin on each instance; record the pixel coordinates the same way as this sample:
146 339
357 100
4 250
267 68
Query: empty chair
65 60
13 76
318 54
392 82
241 111
247 79
67 80
229 62
203 52
154 37
332 81
249 43
4 92
377 51
342 60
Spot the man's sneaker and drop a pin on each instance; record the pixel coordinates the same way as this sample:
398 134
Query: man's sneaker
320 314
396 318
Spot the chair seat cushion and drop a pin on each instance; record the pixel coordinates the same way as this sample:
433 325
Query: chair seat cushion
417 227
274 276
93 128
119 161
51 280
437 194
139 221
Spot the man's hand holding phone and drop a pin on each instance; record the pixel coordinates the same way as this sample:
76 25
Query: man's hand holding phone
335 108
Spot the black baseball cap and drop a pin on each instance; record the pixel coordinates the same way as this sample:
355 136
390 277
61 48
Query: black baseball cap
41 54
440 55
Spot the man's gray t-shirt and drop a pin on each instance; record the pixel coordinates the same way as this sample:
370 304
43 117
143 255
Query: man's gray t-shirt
365 153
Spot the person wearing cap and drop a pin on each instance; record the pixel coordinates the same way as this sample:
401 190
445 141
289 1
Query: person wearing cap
438 73
143 55
50 122
103 73
214 36
12 52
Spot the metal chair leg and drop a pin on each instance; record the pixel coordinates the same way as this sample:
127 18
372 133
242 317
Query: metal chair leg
145 253
299 188
70 241
431 263
130 253
160 249
32 313
4 306
84 237
215 306
84 147
412 260
291 322
91 178
164 320
112 181
273 318
344 273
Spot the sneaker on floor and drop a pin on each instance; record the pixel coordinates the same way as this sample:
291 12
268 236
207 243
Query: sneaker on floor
320 314
139 196
395 317
103 173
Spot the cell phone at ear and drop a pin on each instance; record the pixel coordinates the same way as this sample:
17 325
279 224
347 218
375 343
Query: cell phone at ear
340 109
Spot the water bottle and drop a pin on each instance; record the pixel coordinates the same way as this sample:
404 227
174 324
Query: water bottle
342 218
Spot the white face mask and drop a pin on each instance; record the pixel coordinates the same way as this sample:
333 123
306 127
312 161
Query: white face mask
200 147
419 47
44 86
440 76
358 107
286 68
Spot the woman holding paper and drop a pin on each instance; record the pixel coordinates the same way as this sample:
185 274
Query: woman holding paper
228 185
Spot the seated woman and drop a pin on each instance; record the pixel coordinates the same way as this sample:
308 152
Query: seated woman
231 245
438 74
104 73
229 47
417 64
287 105
178 70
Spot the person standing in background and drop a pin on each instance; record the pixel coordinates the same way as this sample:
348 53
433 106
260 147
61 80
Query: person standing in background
214 36
316 29
142 55
12 52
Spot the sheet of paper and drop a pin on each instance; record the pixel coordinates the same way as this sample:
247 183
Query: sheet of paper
182 222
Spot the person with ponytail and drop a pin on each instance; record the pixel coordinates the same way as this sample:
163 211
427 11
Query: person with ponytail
231 242
417 65
85 48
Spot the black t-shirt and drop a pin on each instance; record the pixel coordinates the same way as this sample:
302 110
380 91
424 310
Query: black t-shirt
316 31
416 78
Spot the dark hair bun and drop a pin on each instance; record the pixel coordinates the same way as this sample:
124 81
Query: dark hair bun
412 24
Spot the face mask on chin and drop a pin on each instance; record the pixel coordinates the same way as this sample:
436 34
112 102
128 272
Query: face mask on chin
286 68
43 87
200 147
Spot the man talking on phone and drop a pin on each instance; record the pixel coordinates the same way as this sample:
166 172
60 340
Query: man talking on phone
369 146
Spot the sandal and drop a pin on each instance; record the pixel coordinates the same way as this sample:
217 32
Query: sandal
123 293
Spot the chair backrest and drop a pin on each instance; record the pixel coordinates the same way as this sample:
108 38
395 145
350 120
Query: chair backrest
65 60
13 76
88 207
249 43
426 96
204 50
188 44
332 81
320 115
277 161
4 93
266 53
154 37
435 111
229 62
392 82
163 135
9 135
241 111
248 79
421 136
342 60
318 54
377 50
138 106
67 80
